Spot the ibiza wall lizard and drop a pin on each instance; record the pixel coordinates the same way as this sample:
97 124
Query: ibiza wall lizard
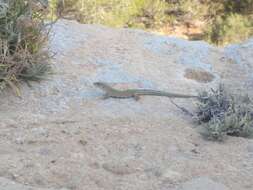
135 93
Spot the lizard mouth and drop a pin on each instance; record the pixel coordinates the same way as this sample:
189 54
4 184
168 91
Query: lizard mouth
96 83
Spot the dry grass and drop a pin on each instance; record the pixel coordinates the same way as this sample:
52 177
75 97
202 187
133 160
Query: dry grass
224 113
22 36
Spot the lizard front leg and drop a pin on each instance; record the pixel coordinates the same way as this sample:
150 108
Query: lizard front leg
136 97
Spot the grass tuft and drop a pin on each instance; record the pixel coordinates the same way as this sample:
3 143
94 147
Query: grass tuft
225 114
22 37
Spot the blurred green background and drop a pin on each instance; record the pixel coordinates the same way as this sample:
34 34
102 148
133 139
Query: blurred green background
216 21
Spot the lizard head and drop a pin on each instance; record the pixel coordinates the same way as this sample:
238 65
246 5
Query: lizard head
100 85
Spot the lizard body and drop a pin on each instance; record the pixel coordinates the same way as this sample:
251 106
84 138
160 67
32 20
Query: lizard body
135 93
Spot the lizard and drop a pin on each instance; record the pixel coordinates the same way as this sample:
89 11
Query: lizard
111 92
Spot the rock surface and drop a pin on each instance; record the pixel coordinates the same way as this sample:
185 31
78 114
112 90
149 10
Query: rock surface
6 184
202 183
61 134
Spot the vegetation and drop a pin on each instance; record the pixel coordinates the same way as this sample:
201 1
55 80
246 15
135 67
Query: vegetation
222 114
224 21
22 36
117 13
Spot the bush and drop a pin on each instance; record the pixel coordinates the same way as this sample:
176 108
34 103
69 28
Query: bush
150 14
239 6
109 12
117 13
225 20
222 114
22 36
232 28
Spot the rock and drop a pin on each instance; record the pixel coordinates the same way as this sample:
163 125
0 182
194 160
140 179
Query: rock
153 172
202 183
71 137
170 175
250 148
6 184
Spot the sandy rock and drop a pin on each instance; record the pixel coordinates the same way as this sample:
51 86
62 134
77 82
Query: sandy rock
201 183
250 148
61 133
170 175
6 184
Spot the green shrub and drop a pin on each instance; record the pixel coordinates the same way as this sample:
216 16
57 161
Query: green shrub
108 12
233 28
222 114
149 14
22 36
118 13
219 22
239 6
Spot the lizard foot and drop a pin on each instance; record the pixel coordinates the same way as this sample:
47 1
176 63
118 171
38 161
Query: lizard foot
136 97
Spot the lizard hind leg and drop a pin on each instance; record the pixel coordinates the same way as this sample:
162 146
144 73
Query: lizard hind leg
105 96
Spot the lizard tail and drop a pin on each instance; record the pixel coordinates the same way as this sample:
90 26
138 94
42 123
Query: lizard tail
167 94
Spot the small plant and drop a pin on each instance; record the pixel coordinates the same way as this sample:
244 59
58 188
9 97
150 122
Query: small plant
22 36
223 113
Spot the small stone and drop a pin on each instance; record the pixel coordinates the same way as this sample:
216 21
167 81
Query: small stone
83 142
195 151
